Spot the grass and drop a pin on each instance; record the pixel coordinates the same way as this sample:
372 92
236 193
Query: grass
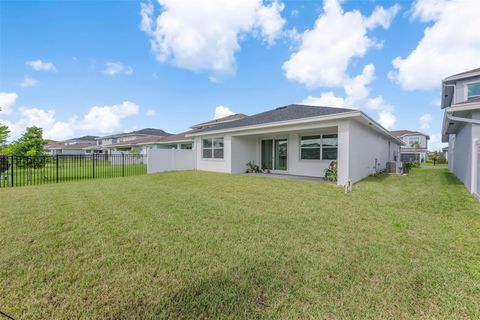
70 170
192 245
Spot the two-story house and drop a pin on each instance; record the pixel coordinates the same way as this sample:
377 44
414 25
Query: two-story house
461 126
74 146
125 141
416 145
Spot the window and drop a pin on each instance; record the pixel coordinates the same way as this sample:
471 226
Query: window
329 146
310 147
212 148
414 142
320 147
473 90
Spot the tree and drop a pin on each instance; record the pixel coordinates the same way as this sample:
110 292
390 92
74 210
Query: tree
3 133
415 144
30 144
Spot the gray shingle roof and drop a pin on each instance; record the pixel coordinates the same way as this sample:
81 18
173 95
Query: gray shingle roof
290 112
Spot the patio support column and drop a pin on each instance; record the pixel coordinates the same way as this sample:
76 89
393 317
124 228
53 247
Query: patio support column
343 156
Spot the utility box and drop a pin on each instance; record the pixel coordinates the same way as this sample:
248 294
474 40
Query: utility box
391 167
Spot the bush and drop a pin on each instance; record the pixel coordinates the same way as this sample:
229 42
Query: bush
407 166
253 168
331 172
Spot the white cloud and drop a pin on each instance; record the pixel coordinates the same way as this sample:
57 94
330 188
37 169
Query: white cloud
7 100
326 99
357 95
98 120
39 65
222 111
337 37
294 13
375 103
107 119
28 82
114 68
424 121
382 17
387 119
151 113
449 46
45 119
205 35
435 143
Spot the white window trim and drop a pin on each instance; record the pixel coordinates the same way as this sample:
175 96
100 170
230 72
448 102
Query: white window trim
321 146
213 148
465 89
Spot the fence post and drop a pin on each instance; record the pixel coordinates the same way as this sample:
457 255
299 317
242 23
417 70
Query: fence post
12 171
123 164
57 165
93 165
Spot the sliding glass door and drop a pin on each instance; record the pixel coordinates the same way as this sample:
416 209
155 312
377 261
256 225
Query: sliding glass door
281 154
274 154
267 154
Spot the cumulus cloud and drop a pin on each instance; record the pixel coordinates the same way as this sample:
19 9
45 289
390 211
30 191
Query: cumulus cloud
326 51
357 96
387 119
98 120
424 121
206 35
222 111
7 100
39 65
151 113
337 37
449 46
107 119
114 68
435 143
326 99
28 82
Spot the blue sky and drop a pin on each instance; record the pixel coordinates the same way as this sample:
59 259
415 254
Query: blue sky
89 67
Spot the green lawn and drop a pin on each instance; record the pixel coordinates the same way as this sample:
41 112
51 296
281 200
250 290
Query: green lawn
70 170
205 245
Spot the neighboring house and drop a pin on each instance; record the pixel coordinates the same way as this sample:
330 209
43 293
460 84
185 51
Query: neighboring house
157 140
461 126
125 141
75 146
297 140
416 145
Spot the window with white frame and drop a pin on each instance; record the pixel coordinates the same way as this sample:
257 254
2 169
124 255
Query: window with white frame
414 142
473 90
212 148
319 147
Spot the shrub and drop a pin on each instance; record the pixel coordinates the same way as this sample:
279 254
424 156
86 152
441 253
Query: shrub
407 166
331 172
252 167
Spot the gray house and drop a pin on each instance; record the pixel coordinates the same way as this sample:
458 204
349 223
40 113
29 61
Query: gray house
461 126
416 145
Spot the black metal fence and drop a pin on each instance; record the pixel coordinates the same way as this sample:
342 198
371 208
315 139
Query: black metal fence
22 171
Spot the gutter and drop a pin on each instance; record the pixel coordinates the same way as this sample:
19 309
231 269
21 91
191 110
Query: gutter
343 115
459 119
449 114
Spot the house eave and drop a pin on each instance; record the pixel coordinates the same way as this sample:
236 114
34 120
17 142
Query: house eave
343 115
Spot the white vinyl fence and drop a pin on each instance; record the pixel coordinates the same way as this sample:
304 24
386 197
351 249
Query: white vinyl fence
160 160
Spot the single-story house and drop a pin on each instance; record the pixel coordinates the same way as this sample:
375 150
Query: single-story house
298 140
416 145
461 126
